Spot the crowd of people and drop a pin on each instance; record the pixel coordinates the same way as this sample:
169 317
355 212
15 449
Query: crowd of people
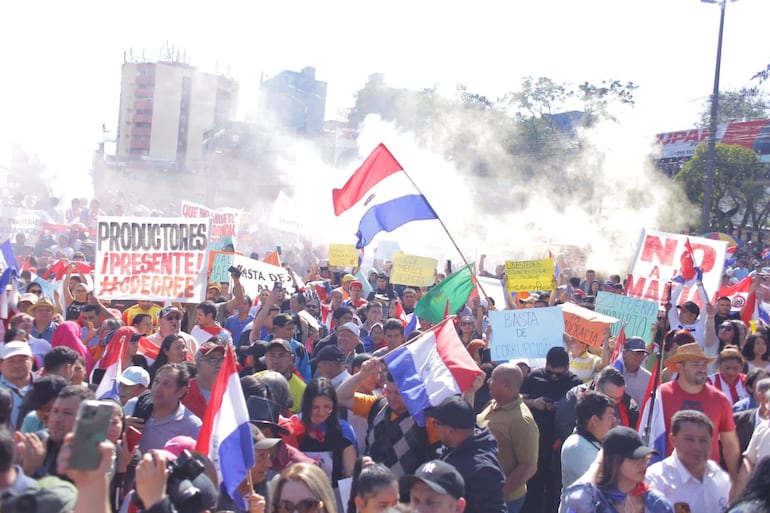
330 429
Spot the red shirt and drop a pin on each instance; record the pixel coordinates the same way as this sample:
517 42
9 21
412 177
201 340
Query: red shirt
709 400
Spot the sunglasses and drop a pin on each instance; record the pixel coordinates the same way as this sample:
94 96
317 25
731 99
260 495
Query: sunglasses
661 318
37 292
466 323
303 506
726 328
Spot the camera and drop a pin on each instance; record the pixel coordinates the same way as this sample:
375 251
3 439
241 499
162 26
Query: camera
180 488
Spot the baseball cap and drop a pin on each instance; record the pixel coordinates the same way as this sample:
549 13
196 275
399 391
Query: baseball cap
281 343
440 476
690 307
635 344
282 320
15 348
28 298
178 444
43 390
134 375
348 277
214 285
354 283
328 354
167 310
625 442
211 345
261 442
455 412
350 326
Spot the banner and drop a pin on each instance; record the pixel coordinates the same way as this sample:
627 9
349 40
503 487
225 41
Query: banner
638 314
14 220
224 223
494 289
413 270
526 334
343 255
586 325
529 274
658 260
288 215
258 276
151 258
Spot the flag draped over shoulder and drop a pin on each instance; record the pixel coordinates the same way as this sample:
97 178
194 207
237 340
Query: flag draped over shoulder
454 290
225 435
433 367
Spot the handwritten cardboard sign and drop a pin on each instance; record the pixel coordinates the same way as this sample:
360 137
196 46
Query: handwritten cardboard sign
413 270
529 274
343 255
638 314
526 333
586 325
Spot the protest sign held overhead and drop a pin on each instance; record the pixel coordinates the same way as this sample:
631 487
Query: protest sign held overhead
525 334
585 325
529 274
287 215
258 276
343 255
219 263
151 258
659 259
28 222
224 223
638 314
413 270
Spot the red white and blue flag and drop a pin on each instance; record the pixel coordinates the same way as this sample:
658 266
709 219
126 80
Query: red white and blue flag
738 294
112 359
433 367
657 436
225 435
688 270
391 210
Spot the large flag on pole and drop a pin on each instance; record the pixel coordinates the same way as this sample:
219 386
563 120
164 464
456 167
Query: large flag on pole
225 435
433 367
390 208
455 290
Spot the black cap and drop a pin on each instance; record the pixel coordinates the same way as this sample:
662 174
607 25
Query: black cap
264 412
282 320
625 442
328 354
635 344
440 476
690 307
43 390
283 344
455 412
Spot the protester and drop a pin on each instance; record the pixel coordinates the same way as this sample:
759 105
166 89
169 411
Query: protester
304 487
435 487
374 488
729 378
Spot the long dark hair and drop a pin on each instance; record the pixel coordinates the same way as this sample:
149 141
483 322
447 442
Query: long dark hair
162 358
758 487
322 387
748 348
608 477
368 480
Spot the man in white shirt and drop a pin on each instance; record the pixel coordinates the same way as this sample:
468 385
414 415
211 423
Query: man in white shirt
687 316
688 476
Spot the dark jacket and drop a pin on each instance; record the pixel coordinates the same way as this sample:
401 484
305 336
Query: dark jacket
566 417
476 460
744 426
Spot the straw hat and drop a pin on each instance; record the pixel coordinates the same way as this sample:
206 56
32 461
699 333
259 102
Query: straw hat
42 302
687 353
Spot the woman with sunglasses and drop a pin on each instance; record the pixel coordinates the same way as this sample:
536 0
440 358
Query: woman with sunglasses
35 288
303 488
615 481
729 334
467 330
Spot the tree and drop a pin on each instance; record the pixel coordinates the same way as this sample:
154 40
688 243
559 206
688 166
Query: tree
737 105
738 187
598 100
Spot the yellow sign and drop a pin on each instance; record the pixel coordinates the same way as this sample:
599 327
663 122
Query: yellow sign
343 255
413 270
529 274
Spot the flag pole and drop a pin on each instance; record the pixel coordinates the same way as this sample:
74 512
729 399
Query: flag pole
446 230
658 378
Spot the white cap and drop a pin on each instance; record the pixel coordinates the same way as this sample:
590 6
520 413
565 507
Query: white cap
15 348
135 375
350 326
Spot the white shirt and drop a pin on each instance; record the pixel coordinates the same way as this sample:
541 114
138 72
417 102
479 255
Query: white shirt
698 328
759 445
674 481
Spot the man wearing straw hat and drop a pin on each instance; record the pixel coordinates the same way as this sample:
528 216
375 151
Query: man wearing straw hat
690 391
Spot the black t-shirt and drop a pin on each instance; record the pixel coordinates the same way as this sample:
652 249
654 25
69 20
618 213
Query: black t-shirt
540 384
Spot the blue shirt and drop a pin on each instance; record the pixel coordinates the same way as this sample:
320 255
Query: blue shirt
17 394
47 334
234 326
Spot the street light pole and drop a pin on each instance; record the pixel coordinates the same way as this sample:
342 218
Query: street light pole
708 184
